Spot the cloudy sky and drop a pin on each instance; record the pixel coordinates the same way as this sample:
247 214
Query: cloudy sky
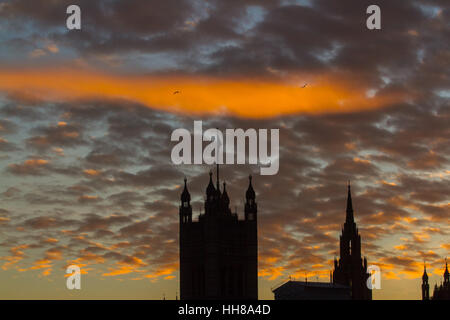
86 117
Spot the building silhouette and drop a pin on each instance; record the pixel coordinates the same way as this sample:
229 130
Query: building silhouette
441 292
310 290
425 285
350 270
219 252
349 278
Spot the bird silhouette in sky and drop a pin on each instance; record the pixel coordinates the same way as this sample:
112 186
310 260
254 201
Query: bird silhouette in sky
176 92
304 86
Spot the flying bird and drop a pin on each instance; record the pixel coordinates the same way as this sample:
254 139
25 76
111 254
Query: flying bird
176 92
304 86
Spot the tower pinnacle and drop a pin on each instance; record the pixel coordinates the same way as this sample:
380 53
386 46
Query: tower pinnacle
425 285
425 275
185 196
446 273
349 216
250 194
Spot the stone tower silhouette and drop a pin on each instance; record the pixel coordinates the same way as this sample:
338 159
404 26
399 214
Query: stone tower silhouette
350 269
442 292
219 252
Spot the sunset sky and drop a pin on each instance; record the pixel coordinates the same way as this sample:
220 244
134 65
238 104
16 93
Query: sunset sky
86 118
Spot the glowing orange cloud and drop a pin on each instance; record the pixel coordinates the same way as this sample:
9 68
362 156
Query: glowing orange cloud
198 95
272 273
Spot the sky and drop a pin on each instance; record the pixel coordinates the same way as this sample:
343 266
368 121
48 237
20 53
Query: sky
86 117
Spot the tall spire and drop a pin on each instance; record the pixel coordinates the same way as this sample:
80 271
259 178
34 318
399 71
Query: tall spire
446 273
251 208
217 160
425 275
349 216
210 190
425 285
225 198
250 194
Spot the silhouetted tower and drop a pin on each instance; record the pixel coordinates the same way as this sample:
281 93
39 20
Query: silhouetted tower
425 285
185 208
351 269
219 252
251 208
446 274
442 292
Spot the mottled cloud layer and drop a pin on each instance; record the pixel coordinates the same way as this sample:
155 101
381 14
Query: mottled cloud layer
87 179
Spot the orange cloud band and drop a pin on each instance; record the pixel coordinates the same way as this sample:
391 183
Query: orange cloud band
240 97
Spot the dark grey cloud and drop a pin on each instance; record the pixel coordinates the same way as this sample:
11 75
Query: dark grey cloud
6 146
60 135
7 126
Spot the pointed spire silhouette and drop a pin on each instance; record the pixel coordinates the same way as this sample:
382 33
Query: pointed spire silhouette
446 273
217 160
425 275
250 194
210 190
185 195
349 215
225 198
